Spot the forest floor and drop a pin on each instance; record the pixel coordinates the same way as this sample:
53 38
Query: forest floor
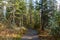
8 33
31 34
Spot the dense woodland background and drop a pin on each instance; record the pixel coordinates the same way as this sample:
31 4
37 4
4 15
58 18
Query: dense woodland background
41 15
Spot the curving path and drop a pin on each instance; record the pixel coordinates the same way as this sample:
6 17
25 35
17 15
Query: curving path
30 35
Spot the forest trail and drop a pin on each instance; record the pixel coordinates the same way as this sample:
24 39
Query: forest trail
31 35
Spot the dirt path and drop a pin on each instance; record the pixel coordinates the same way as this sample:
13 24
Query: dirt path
31 35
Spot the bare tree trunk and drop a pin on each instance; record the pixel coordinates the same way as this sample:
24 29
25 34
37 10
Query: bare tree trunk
41 16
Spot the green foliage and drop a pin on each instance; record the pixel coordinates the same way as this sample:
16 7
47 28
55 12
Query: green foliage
55 31
55 28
